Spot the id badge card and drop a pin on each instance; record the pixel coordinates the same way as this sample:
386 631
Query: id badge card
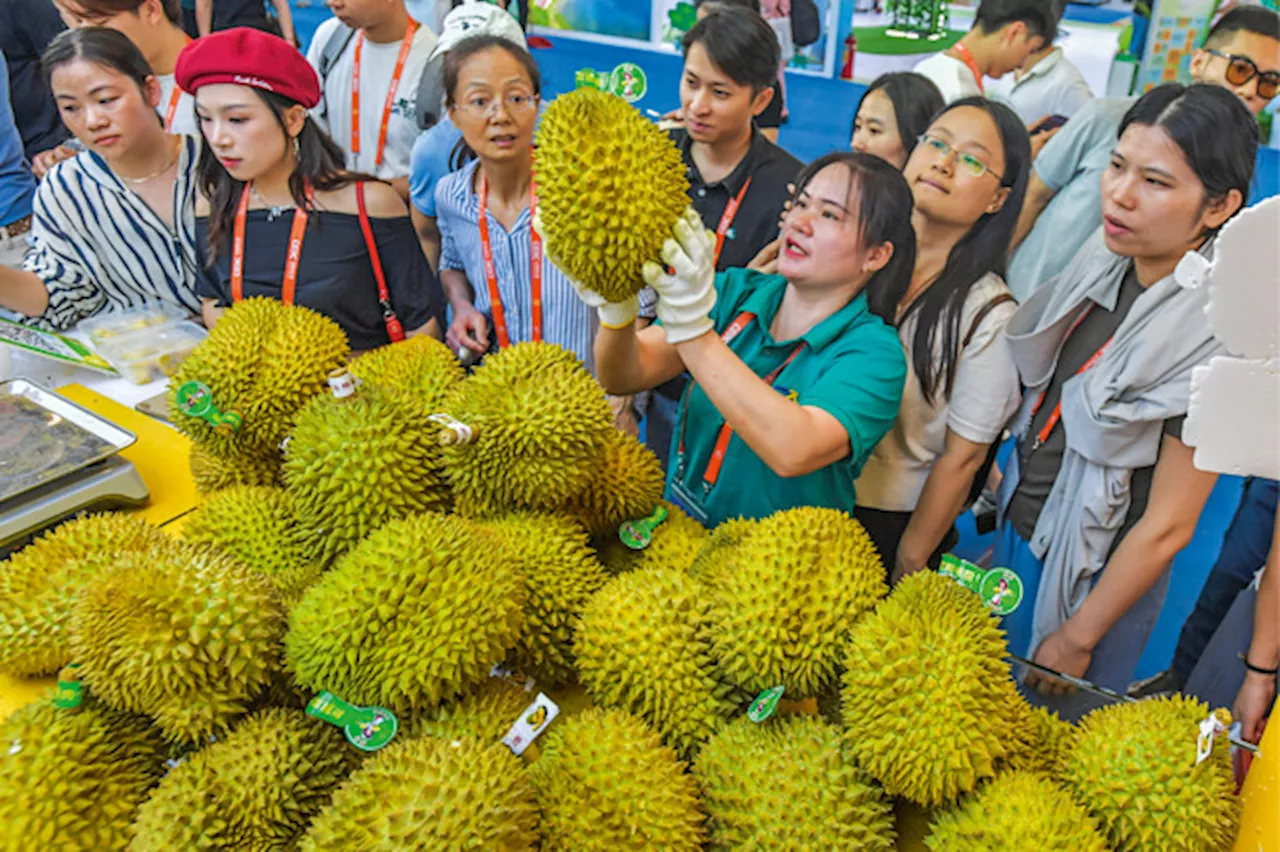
683 497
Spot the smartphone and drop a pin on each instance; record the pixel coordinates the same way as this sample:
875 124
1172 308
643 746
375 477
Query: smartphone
1049 124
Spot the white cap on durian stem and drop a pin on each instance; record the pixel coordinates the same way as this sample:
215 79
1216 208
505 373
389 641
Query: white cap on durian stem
341 383
455 432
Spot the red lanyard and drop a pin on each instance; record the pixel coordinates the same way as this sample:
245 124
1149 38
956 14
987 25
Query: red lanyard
403 56
963 54
1056 415
712 474
289 283
726 218
172 109
491 271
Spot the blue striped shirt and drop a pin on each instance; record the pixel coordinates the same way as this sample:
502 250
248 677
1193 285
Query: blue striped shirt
566 320
98 246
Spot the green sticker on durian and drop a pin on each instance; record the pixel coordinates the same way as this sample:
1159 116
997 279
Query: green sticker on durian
195 399
366 728
766 704
70 691
638 534
627 80
1000 589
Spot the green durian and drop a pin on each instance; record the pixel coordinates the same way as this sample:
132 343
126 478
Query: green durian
420 366
430 793
676 544
611 186
786 597
256 526
417 613
539 421
561 572
1133 767
926 699
258 788
644 646
73 779
213 471
625 484
1041 740
786 783
486 712
180 633
719 551
263 361
39 584
1017 812
352 465
605 781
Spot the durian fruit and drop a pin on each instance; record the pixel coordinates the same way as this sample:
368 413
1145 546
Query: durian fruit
644 646
72 779
39 584
625 484
562 573
420 366
1133 767
258 788
417 613
786 783
1042 740
1019 812
354 464
256 526
791 590
180 633
606 782
926 698
263 361
486 712
213 471
719 551
610 188
676 544
539 422
430 793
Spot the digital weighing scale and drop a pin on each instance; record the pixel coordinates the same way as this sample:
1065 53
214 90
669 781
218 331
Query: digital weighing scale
57 460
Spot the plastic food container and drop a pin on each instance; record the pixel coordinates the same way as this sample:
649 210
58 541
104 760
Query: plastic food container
151 353
114 324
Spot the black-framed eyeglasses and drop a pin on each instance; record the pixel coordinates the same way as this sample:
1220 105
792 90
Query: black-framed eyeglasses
1242 69
970 164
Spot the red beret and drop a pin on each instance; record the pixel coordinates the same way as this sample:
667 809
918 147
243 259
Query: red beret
248 57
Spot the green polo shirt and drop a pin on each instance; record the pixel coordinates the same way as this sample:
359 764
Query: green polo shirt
852 367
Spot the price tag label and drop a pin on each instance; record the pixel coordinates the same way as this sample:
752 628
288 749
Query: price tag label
532 722
366 728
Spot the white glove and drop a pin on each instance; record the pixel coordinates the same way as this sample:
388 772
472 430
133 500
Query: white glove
612 314
685 298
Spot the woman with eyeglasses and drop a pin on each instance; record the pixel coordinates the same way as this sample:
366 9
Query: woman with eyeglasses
280 216
492 90
968 176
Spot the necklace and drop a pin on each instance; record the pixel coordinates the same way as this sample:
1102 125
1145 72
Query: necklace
274 211
156 174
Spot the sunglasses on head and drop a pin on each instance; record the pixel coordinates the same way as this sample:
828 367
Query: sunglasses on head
1242 69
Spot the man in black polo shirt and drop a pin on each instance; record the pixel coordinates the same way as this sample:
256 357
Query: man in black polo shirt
26 28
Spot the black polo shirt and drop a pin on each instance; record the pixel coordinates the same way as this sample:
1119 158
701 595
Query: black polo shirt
770 169
26 28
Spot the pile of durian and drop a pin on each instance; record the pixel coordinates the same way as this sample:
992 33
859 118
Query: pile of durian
366 547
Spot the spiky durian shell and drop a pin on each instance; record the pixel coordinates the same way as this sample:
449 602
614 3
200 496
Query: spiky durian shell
256 526
926 691
263 360
644 646
561 572
720 550
420 366
430 793
676 544
39 584
1133 767
354 464
1018 812
72 779
180 633
610 188
786 596
1041 740
786 783
417 613
625 484
605 781
214 471
541 423
258 788
486 712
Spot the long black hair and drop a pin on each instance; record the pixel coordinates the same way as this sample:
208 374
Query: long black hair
101 46
884 215
458 56
983 250
916 100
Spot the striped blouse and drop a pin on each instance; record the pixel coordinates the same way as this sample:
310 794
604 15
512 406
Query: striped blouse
566 320
98 246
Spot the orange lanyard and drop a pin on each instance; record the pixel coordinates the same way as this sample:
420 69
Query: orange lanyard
289 283
401 58
712 474
1056 415
726 218
491 270
963 54
172 109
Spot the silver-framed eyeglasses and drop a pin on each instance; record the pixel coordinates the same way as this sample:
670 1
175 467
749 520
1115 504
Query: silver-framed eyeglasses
516 103
970 164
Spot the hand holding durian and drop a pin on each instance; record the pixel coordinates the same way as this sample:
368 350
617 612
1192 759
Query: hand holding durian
686 295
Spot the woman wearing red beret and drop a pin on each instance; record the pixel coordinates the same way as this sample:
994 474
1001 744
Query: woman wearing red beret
280 216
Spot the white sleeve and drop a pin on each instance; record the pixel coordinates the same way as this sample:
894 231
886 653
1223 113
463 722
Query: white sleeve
315 51
986 392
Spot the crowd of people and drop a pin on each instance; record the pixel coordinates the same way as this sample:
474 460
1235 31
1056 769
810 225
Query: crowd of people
861 332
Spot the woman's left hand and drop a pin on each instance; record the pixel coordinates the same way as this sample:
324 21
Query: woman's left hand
686 296
1060 653
1253 703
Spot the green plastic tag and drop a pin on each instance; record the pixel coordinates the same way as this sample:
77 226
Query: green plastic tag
70 691
766 704
627 80
1000 589
638 534
366 728
196 400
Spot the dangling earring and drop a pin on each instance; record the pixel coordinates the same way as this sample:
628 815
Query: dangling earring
297 149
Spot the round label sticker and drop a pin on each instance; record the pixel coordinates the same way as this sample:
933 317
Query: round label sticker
638 534
629 82
195 399
1001 590
765 704
372 728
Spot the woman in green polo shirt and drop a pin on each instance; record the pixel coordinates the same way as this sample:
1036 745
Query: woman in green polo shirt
796 376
